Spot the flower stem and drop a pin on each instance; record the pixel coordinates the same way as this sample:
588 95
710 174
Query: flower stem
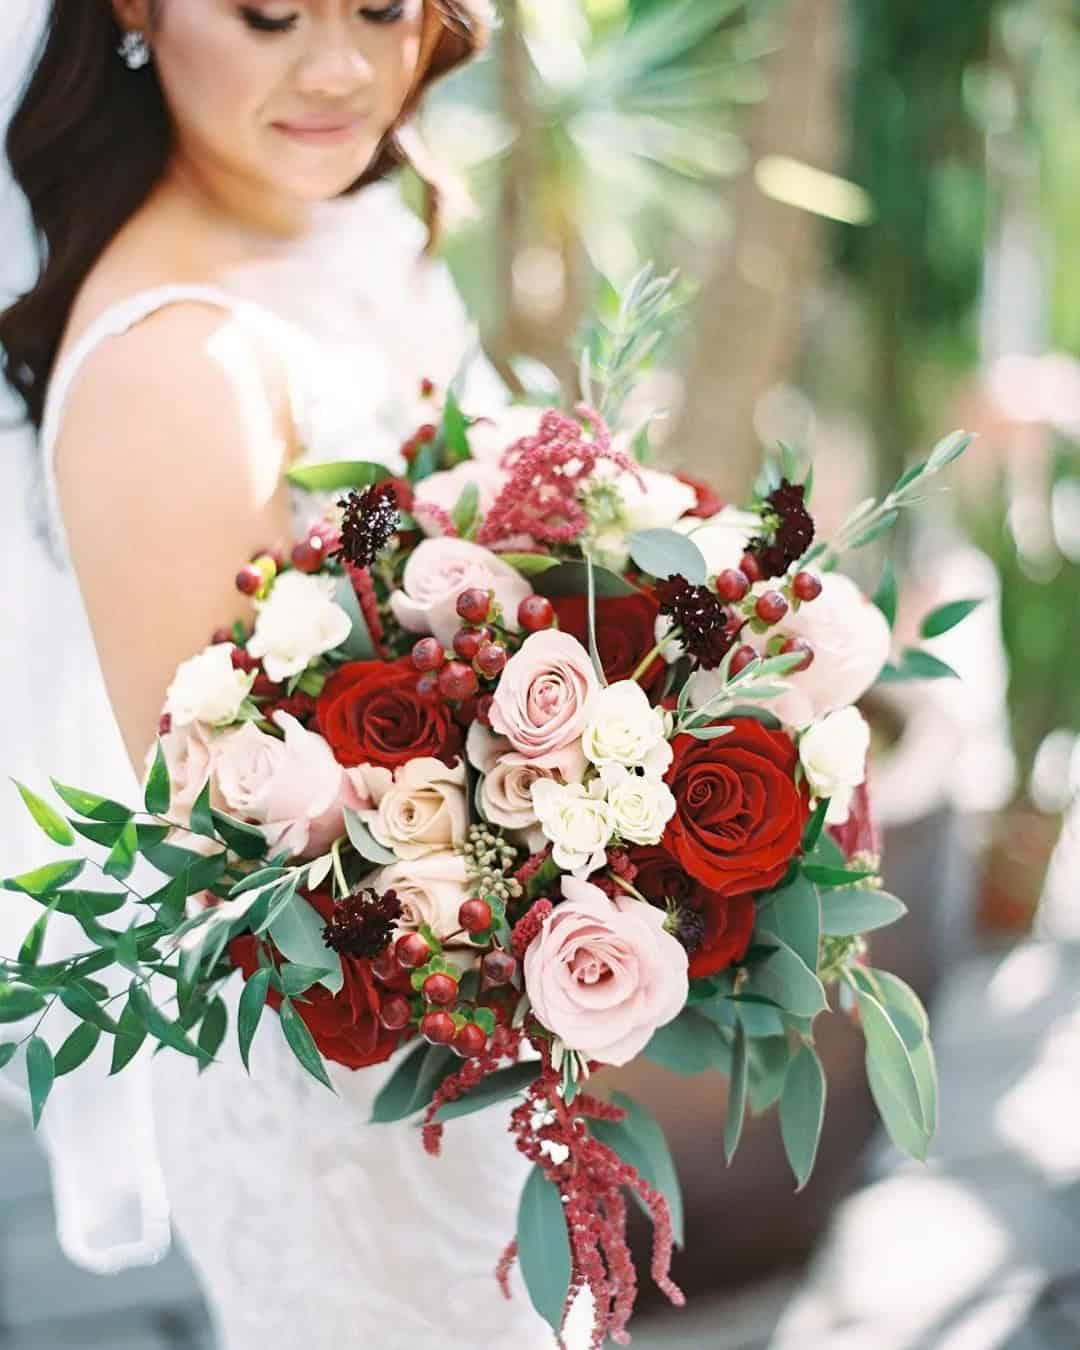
654 653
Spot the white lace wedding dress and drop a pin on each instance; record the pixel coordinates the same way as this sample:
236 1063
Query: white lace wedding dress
309 1228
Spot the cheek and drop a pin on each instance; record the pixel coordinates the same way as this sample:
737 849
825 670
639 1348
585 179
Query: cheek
211 71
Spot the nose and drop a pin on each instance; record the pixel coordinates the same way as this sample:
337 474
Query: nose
333 65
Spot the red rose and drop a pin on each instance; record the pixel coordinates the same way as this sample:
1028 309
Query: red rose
739 817
625 632
708 503
345 1026
371 713
729 920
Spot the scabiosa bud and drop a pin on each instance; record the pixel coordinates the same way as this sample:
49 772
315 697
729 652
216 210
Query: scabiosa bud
709 629
370 522
789 530
362 924
686 925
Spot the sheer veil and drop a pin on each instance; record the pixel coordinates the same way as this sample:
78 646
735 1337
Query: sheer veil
111 1206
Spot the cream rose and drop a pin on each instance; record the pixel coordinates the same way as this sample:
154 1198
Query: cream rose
722 538
603 975
436 574
420 808
640 807
189 758
654 503
545 698
833 753
298 621
294 790
491 436
431 889
851 642
578 822
207 688
626 729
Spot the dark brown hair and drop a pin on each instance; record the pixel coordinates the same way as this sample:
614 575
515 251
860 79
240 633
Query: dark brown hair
90 139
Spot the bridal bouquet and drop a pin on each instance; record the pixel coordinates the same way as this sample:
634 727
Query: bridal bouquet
533 759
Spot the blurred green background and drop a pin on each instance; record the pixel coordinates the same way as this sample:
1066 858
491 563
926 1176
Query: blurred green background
874 204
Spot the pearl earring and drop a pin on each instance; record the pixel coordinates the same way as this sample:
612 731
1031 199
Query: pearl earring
135 50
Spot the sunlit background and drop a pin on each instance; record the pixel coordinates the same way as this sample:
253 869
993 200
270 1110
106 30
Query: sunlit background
875 209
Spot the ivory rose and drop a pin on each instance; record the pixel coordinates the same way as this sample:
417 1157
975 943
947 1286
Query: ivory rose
431 889
491 436
420 808
640 806
436 574
626 729
603 975
577 820
833 753
545 698
207 688
443 490
294 790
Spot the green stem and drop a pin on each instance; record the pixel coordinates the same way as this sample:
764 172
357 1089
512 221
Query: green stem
654 653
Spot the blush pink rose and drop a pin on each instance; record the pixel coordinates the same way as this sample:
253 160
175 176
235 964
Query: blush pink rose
294 790
851 642
436 574
443 490
189 752
604 974
545 698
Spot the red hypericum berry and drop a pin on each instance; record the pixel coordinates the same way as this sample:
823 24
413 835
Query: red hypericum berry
474 605
475 916
468 641
309 554
491 660
408 451
396 1012
798 644
742 659
457 681
498 967
464 714
806 586
470 1040
220 635
771 607
732 586
164 725
249 579
412 950
535 613
426 434
427 387
241 660
428 654
386 966
438 1027
427 686
440 988
483 709
750 568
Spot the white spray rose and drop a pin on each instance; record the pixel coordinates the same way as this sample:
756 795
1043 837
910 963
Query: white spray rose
722 538
626 729
298 621
640 807
578 822
657 502
833 753
206 688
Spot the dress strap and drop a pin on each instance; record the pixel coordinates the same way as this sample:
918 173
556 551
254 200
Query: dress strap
114 321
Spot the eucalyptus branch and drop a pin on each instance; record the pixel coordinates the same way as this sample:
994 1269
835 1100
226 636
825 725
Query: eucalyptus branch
752 684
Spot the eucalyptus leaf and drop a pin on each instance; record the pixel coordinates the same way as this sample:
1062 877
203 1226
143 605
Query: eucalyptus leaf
338 476
737 1087
571 578
544 1247
530 564
49 821
814 826
666 553
640 1141
365 842
893 1081
768 1061
886 597
828 878
846 913
466 510
689 1045
298 935
879 527
358 646
786 979
496 1087
952 447
946 617
802 1112
793 914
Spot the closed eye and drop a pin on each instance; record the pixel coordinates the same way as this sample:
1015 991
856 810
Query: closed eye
263 23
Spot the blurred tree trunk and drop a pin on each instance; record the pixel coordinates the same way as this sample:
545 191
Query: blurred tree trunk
750 309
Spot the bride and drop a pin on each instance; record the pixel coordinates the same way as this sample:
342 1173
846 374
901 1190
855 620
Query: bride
227 284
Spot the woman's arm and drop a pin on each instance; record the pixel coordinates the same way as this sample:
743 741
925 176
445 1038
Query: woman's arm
170 469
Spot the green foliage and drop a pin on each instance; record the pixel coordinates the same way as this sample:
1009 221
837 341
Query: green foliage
40 1075
666 553
639 1140
53 824
802 1112
496 1087
302 1045
250 1011
544 1247
338 476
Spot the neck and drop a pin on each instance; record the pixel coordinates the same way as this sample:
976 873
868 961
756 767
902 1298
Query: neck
244 213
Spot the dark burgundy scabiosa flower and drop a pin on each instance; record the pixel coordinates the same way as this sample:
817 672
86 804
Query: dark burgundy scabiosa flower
370 522
789 530
708 628
362 924
686 924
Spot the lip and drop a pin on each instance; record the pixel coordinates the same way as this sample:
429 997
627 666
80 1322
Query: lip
320 131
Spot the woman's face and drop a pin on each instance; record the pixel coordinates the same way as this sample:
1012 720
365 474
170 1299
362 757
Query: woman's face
292 97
